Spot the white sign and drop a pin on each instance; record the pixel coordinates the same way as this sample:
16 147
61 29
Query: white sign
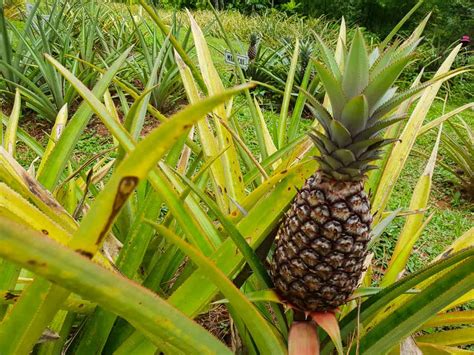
242 60
29 9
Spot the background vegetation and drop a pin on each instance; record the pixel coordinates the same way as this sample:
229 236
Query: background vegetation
82 89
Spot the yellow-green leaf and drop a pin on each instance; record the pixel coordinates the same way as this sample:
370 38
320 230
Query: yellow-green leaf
282 125
9 141
402 148
463 242
414 223
462 336
17 208
211 146
56 132
450 318
435 349
142 308
266 338
13 174
269 144
231 166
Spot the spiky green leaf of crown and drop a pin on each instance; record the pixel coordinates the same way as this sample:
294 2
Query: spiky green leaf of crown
253 39
306 51
361 93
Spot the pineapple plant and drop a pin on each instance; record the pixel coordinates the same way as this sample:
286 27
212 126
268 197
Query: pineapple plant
253 47
321 243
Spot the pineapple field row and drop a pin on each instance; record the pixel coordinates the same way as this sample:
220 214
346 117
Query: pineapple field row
211 182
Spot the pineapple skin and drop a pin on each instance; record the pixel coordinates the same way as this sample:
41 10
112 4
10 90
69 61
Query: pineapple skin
321 244
252 50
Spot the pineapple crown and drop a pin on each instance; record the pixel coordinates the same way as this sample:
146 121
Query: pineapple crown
254 38
306 48
305 54
360 88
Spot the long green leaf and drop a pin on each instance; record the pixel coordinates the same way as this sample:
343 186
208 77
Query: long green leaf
450 318
90 235
9 142
146 311
401 150
399 25
333 89
65 145
414 223
379 85
421 307
282 125
356 72
210 232
437 121
56 132
264 335
373 305
328 58
296 117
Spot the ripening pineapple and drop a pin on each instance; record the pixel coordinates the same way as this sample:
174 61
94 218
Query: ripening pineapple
253 47
321 243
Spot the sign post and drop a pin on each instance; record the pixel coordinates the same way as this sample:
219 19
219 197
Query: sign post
242 60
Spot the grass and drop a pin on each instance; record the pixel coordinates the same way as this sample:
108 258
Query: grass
272 25
95 139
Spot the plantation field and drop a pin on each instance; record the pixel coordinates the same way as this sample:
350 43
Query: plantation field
453 210
146 183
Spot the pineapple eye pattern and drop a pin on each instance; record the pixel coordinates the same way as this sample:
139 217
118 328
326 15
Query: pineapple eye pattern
319 256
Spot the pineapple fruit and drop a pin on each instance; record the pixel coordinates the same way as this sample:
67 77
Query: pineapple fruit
253 47
321 243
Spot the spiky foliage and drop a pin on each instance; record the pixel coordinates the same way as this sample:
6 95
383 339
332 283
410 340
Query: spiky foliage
306 52
459 147
321 244
253 47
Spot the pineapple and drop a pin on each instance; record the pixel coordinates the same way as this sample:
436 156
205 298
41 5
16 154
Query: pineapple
321 243
305 56
253 47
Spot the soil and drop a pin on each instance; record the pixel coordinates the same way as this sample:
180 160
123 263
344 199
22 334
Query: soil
218 322
39 129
